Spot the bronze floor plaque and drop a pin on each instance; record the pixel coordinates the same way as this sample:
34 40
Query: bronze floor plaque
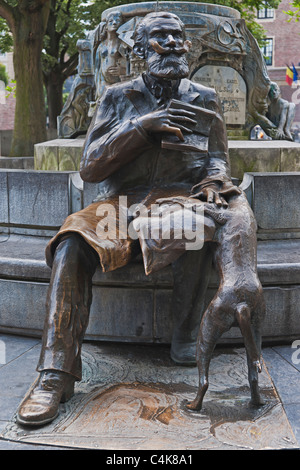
132 397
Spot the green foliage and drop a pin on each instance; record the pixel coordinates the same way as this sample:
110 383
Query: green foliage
68 21
65 97
6 40
3 74
294 15
70 18
11 89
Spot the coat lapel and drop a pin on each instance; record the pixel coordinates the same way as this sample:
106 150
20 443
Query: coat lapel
144 102
141 98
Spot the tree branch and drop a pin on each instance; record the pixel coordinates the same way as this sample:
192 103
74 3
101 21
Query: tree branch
32 5
8 13
58 5
67 9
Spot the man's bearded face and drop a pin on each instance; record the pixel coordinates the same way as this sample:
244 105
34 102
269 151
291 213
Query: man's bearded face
166 50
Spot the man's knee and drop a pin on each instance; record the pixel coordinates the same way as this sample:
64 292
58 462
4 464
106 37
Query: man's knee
71 248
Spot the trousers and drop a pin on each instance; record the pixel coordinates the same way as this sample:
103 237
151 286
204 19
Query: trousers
69 300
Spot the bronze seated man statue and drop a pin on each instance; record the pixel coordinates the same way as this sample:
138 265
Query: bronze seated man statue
159 137
281 113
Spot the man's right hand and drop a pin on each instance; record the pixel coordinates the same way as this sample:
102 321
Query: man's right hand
168 120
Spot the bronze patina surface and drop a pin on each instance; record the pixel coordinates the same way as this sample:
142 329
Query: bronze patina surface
160 140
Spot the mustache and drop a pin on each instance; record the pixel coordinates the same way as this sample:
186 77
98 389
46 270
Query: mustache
170 65
167 60
166 50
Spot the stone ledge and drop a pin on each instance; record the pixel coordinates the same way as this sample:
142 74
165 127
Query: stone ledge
245 155
37 202
263 156
274 200
17 163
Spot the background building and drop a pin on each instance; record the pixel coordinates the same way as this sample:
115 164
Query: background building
282 48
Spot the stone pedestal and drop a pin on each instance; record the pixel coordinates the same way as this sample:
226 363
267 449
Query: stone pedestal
245 155
58 154
127 304
263 156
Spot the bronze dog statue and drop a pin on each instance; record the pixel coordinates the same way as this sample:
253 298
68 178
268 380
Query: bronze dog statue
238 301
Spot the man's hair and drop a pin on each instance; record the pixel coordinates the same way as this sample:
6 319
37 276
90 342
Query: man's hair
141 29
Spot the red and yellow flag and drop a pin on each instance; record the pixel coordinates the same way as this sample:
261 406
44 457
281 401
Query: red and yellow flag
289 76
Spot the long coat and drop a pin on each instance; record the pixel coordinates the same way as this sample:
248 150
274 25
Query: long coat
127 161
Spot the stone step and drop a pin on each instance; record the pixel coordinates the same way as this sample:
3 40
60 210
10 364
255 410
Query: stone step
130 306
245 155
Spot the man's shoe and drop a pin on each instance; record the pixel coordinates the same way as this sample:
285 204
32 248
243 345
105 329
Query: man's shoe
184 354
40 406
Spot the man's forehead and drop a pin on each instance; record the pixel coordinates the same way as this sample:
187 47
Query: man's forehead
163 24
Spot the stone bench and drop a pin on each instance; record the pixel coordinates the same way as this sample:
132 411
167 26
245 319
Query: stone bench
127 304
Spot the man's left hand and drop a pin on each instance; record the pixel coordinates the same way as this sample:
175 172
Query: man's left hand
214 195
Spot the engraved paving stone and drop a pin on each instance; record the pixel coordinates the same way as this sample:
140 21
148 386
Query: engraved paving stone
132 397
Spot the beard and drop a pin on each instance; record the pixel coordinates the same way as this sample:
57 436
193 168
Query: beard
170 66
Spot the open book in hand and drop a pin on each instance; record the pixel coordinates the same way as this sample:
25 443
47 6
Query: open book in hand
196 141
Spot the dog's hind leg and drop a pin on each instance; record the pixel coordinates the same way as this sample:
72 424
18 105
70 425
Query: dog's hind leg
251 335
213 325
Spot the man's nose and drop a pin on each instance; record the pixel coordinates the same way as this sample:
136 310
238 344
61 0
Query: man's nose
170 40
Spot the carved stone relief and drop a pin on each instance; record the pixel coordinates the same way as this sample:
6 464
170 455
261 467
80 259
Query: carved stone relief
231 89
224 55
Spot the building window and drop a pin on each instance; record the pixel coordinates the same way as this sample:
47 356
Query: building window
265 13
267 50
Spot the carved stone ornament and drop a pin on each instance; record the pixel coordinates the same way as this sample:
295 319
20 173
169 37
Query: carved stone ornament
219 38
